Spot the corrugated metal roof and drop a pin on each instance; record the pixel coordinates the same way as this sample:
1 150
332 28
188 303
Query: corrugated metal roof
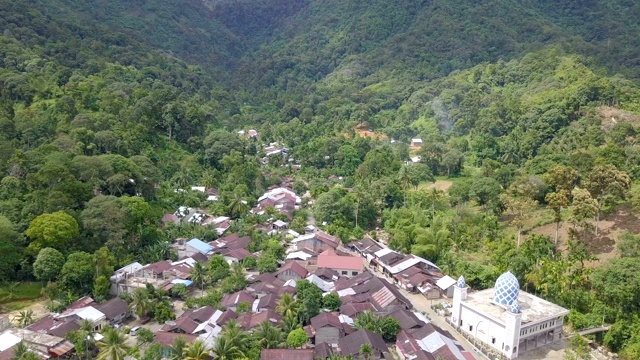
200 245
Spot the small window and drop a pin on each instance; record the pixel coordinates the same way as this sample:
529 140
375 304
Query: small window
493 341
345 273
354 273
470 327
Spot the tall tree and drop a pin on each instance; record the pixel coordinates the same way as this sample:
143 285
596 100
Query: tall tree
113 345
48 264
53 230
199 274
606 181
197 350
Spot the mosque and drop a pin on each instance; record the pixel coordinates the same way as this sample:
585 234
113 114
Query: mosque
506 319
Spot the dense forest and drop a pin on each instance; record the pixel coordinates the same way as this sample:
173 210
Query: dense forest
529 110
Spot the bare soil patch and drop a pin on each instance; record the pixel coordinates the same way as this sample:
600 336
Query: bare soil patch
611 116
442 185
602 246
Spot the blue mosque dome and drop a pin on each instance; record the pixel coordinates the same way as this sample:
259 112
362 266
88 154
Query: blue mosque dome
507 289
461 282
515 307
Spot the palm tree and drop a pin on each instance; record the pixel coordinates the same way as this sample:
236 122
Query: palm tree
140 303
89 341
287 306
22 352
290 322
113 345
366 351
225 349
198 274
238 337
366 320
24 318
178 348
237 207
197 350
269 336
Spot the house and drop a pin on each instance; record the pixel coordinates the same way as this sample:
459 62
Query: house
355 309
89 313
170 219
120 277
279 225
44 345
317 242
429 342
369 288
287 354
236 255
326 327
115 310
326 274
291 271
408 320
350 345
446 285
166 339
266 302
231 301
366 246
52 326
416 142
248 321
347 266
196 245
230 242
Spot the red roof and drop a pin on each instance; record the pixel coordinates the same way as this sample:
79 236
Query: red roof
336 262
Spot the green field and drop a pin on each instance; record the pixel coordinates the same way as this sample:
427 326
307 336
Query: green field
20 295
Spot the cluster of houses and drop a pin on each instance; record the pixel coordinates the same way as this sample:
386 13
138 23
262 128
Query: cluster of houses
47 336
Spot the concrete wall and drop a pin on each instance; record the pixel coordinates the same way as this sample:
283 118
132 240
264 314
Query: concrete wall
483 329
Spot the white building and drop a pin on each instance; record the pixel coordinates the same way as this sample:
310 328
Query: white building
507 320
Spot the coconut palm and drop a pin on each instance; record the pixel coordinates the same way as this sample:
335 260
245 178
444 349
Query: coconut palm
225 349
89 340
269 336
24 318
197 350
237 207
238 337
366 351
178 348
112 346
22 352
287 305
290 322
199 274
366 320
140 303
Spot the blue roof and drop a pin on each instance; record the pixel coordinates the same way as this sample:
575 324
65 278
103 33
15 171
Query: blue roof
199 245
180 281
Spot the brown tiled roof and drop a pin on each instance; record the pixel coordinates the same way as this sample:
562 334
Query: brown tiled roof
202 314
226 316
250 320
239 254
407 319
236 298
198 256
185 324
326 319
80 303
286 354
350 344
354 309
326 273
159 267
295 267
322 351
113 308
269 301
166 338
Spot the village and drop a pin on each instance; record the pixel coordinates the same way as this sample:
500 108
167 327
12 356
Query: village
363 279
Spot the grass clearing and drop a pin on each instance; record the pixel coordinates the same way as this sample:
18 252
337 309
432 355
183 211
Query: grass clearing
19 292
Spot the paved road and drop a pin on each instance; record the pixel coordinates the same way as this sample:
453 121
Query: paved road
422 304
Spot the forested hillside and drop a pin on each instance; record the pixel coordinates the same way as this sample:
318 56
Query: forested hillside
529 110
